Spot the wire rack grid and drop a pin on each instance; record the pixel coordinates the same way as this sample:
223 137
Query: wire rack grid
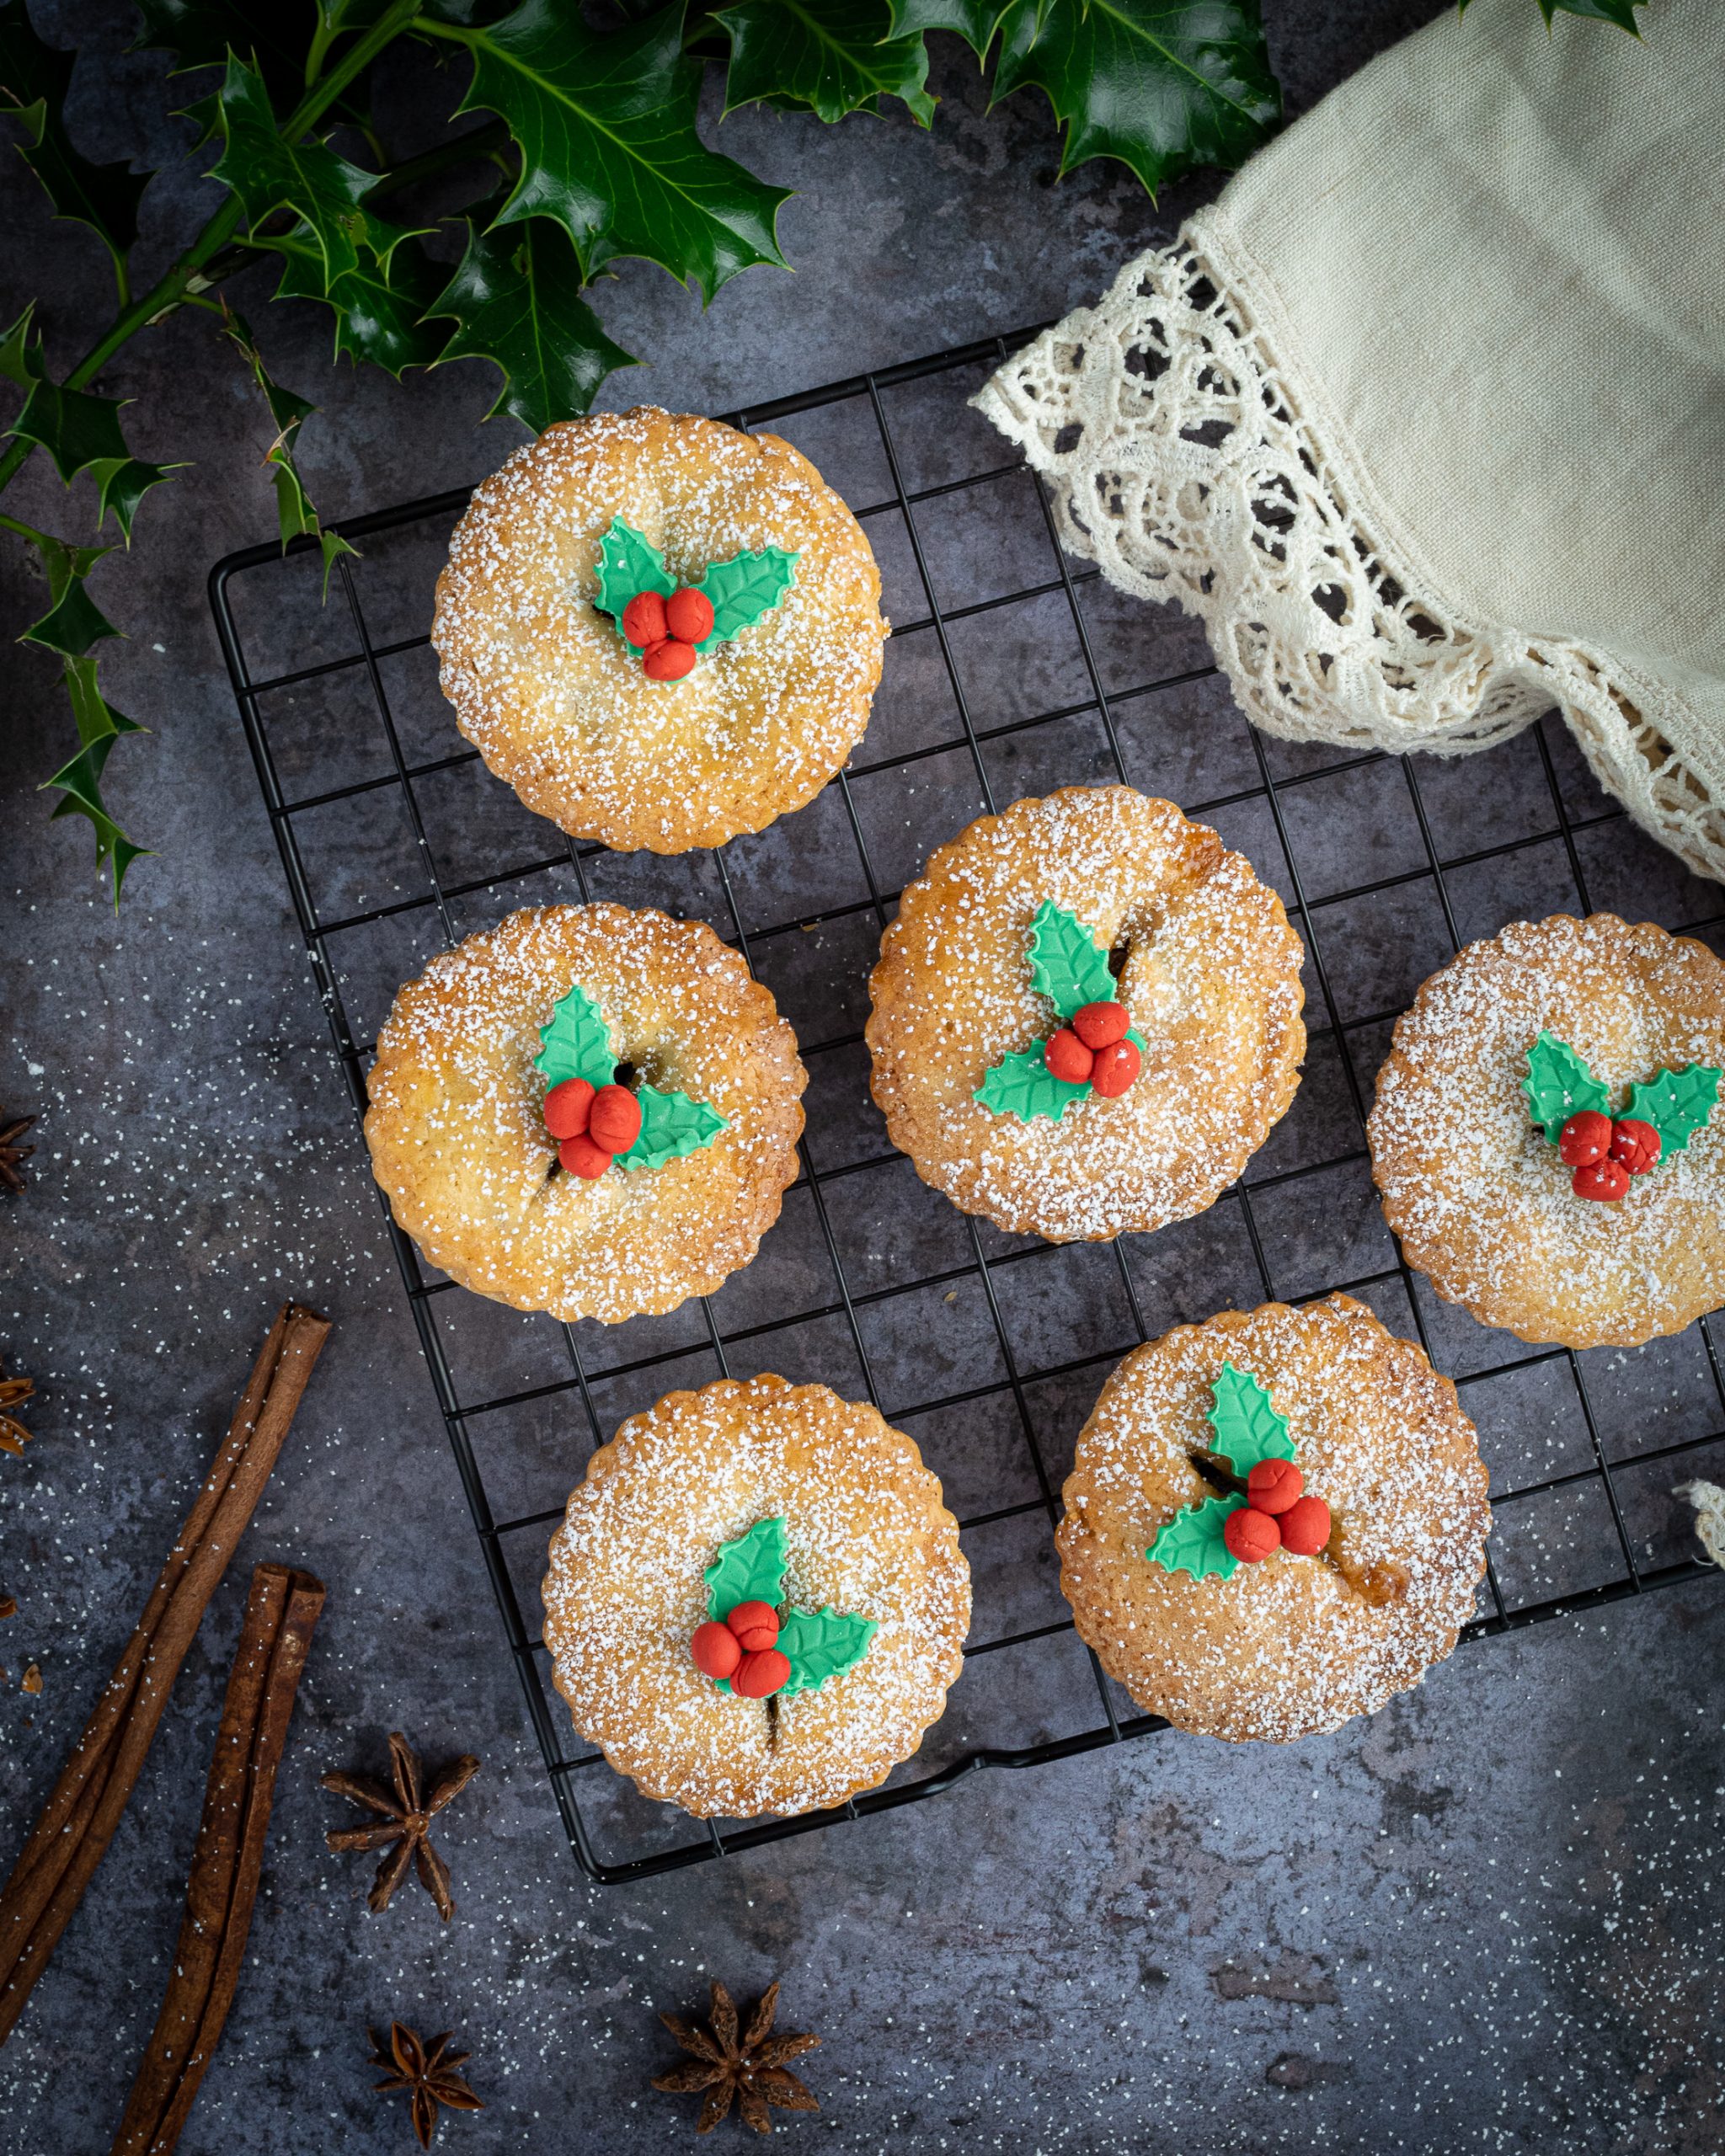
1012 669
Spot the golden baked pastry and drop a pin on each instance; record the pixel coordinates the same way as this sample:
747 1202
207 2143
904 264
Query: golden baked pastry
790 1495
1095 892
457 1128
1287 1646
1484 1201
556 700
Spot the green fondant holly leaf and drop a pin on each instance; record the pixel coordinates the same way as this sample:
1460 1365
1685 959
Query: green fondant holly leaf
1677 1103
1192 1541
1559 1085
1024 1086
820 1644
1247 1426
671 1125
744 588
750 1569
576 1044
629 563
1065 963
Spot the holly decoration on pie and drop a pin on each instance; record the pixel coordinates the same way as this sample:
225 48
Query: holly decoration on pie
599 1123
1270 1512
1093 1048
1605 1153
672 625
751 1643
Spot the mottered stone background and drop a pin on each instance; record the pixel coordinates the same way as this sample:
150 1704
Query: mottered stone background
1487 1920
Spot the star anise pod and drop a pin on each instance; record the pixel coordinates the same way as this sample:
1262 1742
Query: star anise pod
404 1830
11 1152
428 2071
14 1436
750 2067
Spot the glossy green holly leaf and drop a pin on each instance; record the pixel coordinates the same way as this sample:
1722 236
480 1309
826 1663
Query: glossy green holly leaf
1192 1541
629 564
750 1569
1021 1085
1559 1085
975 21
1162 85
21 350
1677 1103
379 307
33 77
73 625
744 588
671 1125
834 57
267 172
79 782
575 1043
295 515
121 483
1247 1426
819 1644
200 33
516 301
75 427
606 125
1620 12
1065 961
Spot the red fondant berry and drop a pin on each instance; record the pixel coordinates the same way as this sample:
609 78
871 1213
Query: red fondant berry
1584 1139
614 1121
582 1157
1606 1180
643 619
1635 1144
566 1107
761 1675
1274 1485
1306 1527
716 1650
1067 1057
668 661
1251 1536
755 1624
1116 1069
688 614
1099 1025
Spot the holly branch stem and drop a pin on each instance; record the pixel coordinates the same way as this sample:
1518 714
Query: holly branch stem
176 283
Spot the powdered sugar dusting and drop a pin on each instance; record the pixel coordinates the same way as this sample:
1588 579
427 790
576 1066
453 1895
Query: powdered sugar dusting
456 1127
866 1532
558 706
1481 1200
1293 1645
1211 978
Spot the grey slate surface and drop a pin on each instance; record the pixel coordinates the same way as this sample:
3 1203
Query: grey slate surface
1489 1919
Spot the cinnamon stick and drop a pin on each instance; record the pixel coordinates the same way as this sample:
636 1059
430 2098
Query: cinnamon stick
281 1611
78 1823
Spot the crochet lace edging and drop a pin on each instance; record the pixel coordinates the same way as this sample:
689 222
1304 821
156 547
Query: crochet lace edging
1181 461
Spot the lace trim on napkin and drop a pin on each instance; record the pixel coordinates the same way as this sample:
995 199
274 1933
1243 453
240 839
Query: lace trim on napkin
1181 462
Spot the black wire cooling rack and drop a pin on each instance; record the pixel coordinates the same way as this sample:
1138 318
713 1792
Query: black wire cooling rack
1011 670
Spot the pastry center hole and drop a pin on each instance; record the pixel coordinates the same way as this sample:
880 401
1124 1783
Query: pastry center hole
1118 957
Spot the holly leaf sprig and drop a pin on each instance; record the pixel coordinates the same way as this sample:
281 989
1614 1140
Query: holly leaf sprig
741 590
1247 1430
576 1044
817 1643
1069 968
1560 1083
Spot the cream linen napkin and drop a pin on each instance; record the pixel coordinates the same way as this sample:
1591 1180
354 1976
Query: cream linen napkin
1426 416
